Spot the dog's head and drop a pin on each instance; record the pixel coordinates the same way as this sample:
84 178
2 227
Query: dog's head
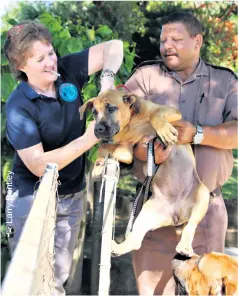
112 110
210 274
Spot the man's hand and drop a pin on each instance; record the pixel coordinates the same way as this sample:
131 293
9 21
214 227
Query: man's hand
161 154
186 131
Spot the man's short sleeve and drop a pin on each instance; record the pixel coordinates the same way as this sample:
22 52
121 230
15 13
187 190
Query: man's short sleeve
231 108
137 82
76 63
21 129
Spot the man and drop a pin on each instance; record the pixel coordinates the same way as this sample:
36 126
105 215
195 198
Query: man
206 95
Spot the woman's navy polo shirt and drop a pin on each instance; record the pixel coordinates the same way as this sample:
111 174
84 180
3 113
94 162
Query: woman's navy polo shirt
34 119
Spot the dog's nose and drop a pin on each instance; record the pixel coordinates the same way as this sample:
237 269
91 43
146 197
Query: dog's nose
101 128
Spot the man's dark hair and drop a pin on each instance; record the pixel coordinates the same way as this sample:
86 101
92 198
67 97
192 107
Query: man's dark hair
191 23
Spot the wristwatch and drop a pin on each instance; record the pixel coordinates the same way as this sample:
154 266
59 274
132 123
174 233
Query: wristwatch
198 137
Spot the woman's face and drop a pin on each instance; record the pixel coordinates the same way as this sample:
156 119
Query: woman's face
41 60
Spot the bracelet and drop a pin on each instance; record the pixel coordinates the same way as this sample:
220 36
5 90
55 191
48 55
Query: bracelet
107 73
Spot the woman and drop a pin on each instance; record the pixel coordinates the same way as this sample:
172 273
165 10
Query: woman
43 126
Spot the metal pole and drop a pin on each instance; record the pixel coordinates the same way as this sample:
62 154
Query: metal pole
111 178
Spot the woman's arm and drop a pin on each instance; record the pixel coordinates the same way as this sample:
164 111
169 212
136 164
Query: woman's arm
107 55
35 159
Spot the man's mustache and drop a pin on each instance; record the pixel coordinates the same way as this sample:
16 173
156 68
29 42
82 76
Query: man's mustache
170 54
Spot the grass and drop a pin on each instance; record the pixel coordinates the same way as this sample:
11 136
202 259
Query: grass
230 188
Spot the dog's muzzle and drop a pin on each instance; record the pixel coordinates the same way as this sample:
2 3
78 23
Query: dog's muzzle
105 131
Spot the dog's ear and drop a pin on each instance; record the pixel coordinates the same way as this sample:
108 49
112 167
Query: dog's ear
85 106
133 101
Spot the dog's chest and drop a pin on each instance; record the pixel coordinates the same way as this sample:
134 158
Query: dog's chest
134 132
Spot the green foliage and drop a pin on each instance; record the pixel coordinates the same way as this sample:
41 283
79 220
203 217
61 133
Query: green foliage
123 17
9 84
7 167
230 189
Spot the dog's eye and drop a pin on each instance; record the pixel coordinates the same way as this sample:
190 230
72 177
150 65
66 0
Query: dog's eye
112 109
94 112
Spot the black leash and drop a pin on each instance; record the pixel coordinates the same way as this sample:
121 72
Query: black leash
141 198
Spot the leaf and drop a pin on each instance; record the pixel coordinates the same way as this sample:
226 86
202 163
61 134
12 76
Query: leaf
52 23
89 91
74 45
12 22
3 38
90 34
3 124
104 31
4 61
92 155
129 61
126 45
64 34
9 85
45 18
117 81
5 256
54 26
63 48
7 167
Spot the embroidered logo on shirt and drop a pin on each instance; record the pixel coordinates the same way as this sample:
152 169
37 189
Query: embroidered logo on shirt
68 92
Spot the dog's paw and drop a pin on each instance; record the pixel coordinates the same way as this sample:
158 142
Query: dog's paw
98 169
168 134
183 249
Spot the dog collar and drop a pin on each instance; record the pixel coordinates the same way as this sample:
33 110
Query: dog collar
132 113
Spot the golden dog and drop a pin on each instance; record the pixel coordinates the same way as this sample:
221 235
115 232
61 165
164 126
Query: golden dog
210 274
178 196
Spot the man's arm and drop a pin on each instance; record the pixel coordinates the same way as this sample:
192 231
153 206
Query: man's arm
222 136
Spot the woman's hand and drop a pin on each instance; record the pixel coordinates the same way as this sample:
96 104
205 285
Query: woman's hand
89 135
161 154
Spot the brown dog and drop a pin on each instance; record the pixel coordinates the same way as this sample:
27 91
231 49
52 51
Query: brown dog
178 196
210 274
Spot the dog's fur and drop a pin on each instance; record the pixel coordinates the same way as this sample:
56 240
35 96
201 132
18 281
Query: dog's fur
178 196
210 274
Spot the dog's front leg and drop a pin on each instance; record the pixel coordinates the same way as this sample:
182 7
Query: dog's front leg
160 120
104 151
124 153
201 198
151 217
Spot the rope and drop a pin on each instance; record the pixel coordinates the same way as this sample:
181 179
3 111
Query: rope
139 198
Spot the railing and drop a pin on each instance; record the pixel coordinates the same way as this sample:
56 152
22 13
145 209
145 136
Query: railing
31 271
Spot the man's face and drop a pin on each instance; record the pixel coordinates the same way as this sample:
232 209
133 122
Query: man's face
178 49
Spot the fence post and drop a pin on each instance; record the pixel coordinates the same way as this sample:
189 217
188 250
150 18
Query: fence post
31 270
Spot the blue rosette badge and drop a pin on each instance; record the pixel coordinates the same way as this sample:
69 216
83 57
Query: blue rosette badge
68 92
